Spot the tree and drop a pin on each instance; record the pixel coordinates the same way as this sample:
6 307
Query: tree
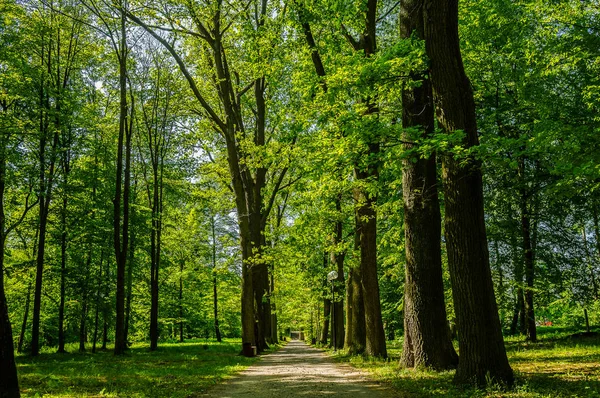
426 332
481 345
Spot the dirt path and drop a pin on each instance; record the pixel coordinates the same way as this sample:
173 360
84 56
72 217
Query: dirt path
298 370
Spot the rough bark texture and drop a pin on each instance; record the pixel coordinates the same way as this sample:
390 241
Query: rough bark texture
427 340
359 332
481 346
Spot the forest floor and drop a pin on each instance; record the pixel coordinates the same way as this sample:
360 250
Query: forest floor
558 365
298 370
555 367
175 370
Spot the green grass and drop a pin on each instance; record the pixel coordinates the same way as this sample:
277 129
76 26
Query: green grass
174 370
556 366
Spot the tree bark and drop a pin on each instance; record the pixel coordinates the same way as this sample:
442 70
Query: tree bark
527 254
482 353
9 382
348 309
214 273
427 341
121 225
25 316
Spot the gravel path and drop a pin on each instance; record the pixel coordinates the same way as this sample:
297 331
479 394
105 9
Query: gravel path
298 370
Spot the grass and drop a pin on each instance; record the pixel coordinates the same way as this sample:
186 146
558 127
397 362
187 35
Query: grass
174 370
556 366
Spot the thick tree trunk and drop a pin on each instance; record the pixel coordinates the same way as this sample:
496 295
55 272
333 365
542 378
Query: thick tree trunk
427 340
337 259
482 353
359 332
367 227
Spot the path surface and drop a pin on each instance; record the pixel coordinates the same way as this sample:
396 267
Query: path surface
298 370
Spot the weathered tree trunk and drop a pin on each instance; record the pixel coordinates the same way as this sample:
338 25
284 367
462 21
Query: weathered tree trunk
482 353
427 340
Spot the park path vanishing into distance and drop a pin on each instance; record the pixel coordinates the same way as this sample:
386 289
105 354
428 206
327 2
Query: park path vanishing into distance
298 370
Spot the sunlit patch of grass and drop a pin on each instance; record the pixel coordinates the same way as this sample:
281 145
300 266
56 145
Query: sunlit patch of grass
556 366
174 370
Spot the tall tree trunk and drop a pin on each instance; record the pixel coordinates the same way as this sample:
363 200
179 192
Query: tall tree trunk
482 353
527 255
367 227
359 328
9 382
518 319
427 341
348 309
121 228
63 270
337 259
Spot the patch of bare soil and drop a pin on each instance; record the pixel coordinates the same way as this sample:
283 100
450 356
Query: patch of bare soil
298 370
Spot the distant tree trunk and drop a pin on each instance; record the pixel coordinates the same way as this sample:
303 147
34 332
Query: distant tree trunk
348 309
337 259
481 346
274 336
518 319
326 308
427 340
25 316
587 320
63 270
129 278
214 273
9 382
97 314
527 253
181 301
359 331
84 304
121 225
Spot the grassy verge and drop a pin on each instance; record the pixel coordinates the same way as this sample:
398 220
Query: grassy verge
174 370
556 366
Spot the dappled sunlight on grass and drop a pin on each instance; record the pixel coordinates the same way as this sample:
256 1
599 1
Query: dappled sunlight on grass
174 370
557 366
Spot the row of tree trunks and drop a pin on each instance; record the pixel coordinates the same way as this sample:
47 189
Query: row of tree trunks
427 341
482 352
